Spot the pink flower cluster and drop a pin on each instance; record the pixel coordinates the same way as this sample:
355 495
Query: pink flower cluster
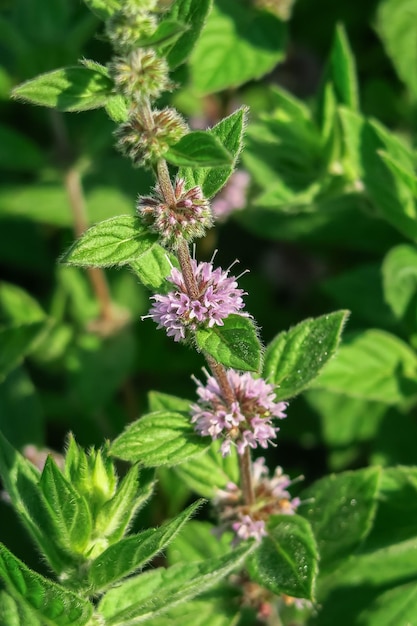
218 296
247 422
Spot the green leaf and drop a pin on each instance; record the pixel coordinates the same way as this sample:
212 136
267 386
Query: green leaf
117 241
17 306
21 410
146 596
198 149
373 365
209 472
295 357
50 601
16 342
399 271
191 13
286 560
340 510
165 402
14 613
103 8
159 438
70 510
235 344
18 152
239 43
230 132
343 70
396 24
67 89
153 266
167 32
117 109
394 606
198 542
132 553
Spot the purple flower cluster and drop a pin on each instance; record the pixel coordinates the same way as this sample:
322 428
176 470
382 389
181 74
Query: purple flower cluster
247 422
218 296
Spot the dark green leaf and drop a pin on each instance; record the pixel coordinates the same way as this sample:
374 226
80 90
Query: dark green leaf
343 70
239 43
50 601
133 552
235 344
230 132
199 149
286 560
21 410
67 89
16 342
159 438
167 32
295 357
117 241
18 152
191 13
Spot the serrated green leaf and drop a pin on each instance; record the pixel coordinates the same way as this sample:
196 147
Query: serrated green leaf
373 365
153 266
191 13
148 595
230 132
167 32
103 8
396 24
239 43
132 493
70 510
286 560
117 241
343 70
50 601
235 344
295 357
132 553
199 149
338 503
67 89
399 272
16 342
159 438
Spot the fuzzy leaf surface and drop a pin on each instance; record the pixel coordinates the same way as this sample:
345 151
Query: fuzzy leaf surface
286 560
295 357
117 241
235 344
199 149
67 89
159 438
229 131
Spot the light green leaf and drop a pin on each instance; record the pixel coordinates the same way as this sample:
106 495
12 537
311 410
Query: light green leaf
199 149
239 43
230 132
129 554
67 89
167 32
148 595
117 241
103 8
396 24
295 357
373 365
191 13
343 70
14 613
399 272
338 503
153 266
18 306
286 560
198 542
235 344
165 402
159 438
50 602
394 606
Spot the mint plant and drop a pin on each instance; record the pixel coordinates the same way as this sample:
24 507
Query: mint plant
270 554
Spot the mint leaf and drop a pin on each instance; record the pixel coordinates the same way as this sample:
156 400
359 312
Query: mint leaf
192 14
198 149
343 70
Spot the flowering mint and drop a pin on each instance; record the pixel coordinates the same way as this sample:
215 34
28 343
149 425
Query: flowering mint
247 422
187 218
271 498
179 313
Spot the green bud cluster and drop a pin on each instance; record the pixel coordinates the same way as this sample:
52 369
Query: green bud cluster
135 21
142 74
146 143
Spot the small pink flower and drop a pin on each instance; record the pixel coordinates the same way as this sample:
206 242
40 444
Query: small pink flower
247 528
218 297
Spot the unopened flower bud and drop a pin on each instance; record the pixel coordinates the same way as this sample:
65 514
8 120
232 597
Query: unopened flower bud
126 27
188 217
146 143
142 74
